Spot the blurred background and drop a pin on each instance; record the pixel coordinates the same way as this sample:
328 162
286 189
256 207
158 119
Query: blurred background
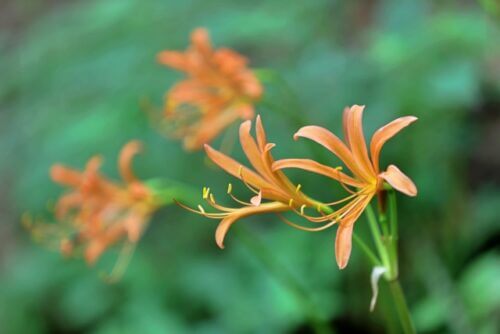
77 76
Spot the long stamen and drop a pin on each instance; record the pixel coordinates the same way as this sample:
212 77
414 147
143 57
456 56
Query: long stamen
341 211
236 199
347 198
308 217
338 169
227 210
348 208
303 228
202 212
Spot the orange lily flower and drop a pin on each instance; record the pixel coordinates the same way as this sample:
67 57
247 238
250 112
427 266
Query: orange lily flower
219 89
97 213
265 183
366 179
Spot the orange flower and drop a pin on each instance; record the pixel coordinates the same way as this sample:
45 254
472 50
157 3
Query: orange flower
265 183
367 179
219 89
97 213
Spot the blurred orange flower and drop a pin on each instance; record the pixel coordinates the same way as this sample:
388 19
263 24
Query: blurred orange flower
263 182
97 213
218 90
367 179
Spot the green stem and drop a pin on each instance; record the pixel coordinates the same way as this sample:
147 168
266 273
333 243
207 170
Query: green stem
377 237
392 251
393 238
401 307
393 214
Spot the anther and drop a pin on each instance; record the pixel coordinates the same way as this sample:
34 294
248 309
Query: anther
229 188
290 202
201 209
206 192
298 188
302 207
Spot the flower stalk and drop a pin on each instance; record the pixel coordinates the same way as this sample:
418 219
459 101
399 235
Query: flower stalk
387 256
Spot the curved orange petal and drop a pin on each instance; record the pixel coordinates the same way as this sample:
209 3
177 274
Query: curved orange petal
201 41
93 165
95 248
134 225
125 160
399 181
208 128
66 203
174 59
250 85
229 61
332 143
250 148
261 133
227 222
343 244
316 167
382 135
188 92
356 139
236 169
345 125
65 176
275 194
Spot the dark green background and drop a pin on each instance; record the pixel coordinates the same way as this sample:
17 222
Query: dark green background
74 79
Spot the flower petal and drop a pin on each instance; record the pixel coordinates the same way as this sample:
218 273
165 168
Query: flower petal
65 176
316 167
399 181
356 138
208 128
201 41
261 133
384 134
343 244
332 143
227 222
235 168
174 59
125 160
251 149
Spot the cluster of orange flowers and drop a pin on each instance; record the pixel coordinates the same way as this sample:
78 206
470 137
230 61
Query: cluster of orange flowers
97 213
269 182
218 90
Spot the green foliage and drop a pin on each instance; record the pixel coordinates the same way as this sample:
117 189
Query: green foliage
78 77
